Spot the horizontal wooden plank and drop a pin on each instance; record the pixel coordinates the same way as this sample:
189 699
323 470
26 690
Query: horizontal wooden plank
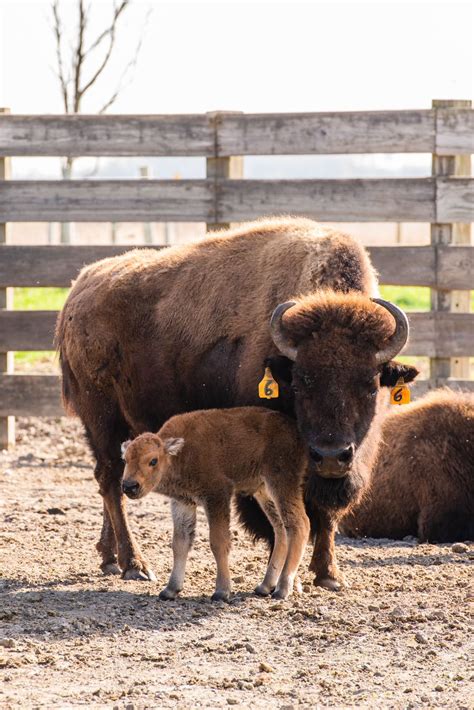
58 265
30 396
40 395
455 199
323 133
226 200
328 200
109 135
441 334
106 200
433 334
27 330
455 131
405 266
55 265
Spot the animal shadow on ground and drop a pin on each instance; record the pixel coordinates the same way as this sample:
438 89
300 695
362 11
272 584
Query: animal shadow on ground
49 609
432 555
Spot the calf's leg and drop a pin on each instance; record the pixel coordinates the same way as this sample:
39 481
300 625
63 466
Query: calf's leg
218 515
295 520
277 558
184 526
323 561
107 546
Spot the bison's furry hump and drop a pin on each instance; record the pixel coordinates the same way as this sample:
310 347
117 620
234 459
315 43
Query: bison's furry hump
423 480
192 321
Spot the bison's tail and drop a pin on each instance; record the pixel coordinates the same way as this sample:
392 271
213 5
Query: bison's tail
68 379
254 520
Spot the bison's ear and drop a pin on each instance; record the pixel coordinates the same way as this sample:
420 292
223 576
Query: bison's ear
173 446
282 369
124 446
392 371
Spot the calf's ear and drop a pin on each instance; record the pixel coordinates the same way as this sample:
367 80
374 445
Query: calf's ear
173 446
393 370
124 446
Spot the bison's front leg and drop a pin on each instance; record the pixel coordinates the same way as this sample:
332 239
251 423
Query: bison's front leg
323 562
125 550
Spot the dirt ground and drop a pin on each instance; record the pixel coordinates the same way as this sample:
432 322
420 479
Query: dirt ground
400 636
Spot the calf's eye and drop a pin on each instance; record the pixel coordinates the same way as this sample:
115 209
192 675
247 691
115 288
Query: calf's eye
153 462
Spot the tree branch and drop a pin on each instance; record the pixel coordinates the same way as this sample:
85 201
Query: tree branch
79 56
57 29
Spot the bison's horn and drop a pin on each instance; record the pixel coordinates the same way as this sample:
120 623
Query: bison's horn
283 345
400 336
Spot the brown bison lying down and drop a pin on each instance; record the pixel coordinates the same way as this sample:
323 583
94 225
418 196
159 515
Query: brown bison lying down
423 478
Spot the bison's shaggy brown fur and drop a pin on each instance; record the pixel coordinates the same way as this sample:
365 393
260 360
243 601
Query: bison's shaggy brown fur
423 478
148 335
205 457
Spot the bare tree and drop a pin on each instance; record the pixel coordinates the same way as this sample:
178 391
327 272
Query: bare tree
79 65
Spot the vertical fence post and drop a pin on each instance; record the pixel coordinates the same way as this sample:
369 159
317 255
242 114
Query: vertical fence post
441 300
228 167
7 424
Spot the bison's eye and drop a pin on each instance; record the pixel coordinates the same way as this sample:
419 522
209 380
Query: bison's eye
153 462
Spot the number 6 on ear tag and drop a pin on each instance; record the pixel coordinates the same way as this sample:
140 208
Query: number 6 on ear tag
267 387
400 394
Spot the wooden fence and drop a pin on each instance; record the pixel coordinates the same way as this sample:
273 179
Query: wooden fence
446 200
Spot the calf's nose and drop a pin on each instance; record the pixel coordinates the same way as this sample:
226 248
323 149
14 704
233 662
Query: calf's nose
130 488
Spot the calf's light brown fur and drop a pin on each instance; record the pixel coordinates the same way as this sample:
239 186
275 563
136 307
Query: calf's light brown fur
204 457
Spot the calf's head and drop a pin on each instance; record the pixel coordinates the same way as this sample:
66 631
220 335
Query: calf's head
341 348
147 458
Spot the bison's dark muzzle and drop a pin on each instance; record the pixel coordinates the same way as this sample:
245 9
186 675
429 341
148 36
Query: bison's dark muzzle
332 463
131 488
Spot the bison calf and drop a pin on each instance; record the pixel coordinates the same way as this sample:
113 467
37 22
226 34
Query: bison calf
204 457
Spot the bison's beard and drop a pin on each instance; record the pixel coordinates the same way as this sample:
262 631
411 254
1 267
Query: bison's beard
333 493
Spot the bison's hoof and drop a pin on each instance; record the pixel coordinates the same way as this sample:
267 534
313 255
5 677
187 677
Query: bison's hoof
110 568
332 585
142 575
263 590
168 595
220 596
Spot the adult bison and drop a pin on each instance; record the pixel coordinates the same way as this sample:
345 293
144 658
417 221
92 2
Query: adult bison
422 481
151 334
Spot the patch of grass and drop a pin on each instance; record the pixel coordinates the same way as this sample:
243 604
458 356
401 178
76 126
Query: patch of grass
38 299
410 298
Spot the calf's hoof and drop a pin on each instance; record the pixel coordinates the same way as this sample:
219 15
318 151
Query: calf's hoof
263 590
281 594
220 596
142 575
168 595
110 568
332 585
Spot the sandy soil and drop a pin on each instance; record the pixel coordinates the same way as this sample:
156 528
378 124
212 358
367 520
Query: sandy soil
399 637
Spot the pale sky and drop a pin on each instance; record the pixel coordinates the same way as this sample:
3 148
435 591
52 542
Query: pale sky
255 56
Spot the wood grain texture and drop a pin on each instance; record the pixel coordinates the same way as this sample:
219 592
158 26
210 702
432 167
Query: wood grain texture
30 395
58 265
107 135
455 199
27 330
107 200
441 334
328 200
323 133
454 131
55 265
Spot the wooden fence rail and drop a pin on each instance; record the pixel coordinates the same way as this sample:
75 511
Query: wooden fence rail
445 199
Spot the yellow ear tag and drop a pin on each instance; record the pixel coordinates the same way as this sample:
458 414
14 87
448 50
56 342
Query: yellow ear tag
400 394
267 387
